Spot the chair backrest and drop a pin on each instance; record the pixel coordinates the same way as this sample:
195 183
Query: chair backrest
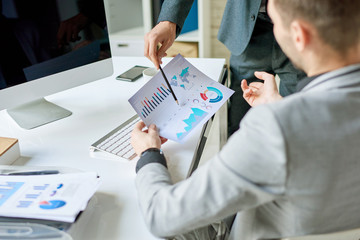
353 234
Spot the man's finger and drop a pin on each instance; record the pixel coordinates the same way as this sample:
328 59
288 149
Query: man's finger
146 46
247 93
139 126
264 76
244 85
256 85
162 50
153 52
161 53
153 130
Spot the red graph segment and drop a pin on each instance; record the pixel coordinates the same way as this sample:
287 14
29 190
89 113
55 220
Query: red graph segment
203 96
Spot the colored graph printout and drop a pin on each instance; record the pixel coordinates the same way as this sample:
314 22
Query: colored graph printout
199 98
58 197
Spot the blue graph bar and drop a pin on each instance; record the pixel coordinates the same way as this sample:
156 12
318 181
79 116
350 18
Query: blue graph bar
164 90
161 96
151 105
24 204
157 97
32 196
161 91
41 187
147 109
156 100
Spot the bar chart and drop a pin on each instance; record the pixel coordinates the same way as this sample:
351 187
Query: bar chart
199 97
155 99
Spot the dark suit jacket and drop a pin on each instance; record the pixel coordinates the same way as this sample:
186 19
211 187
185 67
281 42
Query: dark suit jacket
236 27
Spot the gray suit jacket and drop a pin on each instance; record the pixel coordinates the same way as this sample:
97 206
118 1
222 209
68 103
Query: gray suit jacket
292 169
236 27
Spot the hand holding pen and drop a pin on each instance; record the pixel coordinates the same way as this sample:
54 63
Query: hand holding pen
168 84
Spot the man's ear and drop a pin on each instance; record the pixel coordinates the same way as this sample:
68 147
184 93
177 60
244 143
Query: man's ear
301 34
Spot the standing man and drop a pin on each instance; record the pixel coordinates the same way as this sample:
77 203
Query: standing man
247 31
304 177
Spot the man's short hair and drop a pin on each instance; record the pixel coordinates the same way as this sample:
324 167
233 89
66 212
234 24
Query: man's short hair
337 21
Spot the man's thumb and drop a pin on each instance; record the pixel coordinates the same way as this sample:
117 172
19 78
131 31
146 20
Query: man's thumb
152 129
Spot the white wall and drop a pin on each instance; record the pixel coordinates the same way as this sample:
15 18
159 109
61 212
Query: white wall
121 14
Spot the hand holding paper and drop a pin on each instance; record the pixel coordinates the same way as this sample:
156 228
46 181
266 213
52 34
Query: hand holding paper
199 98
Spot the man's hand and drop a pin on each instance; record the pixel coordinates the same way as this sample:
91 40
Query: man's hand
143 140
69 29
163 33
258 93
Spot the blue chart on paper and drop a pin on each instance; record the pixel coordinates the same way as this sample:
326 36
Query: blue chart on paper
7 189
194 119
52 204
199 97
218 98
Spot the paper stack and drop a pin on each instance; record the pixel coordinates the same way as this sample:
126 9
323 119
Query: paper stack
57 197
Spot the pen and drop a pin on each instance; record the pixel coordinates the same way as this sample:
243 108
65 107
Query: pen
167 82
43 172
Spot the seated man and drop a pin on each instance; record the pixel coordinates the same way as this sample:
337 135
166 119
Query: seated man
304 179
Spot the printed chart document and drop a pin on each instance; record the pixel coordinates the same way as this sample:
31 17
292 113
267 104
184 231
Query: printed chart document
199 98
59 197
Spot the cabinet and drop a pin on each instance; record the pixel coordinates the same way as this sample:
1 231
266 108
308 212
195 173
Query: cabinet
130 20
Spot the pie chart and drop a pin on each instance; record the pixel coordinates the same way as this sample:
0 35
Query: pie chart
218 98
52 204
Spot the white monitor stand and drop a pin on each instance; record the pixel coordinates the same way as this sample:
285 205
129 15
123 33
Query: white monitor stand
25 102
37 113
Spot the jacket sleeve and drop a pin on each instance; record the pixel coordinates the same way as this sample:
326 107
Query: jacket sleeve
249 171
175 11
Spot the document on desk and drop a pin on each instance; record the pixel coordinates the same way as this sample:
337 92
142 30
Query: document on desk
199 96
58 197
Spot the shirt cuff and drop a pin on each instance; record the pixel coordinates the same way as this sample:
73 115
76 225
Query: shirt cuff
151 157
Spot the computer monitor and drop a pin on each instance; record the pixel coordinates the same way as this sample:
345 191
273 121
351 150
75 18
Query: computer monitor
48 46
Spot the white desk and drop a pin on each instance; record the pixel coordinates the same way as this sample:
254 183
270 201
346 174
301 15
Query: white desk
97 108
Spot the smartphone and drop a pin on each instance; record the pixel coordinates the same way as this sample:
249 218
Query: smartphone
132 74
